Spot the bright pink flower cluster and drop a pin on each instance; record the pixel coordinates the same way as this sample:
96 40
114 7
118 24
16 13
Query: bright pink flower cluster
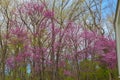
46 44
35 8
31 8
107 51
48 14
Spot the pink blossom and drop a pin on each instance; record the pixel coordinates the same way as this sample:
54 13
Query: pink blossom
67 73
49 14
19 59
19 32
62 64
69 56
89 35
31 8
10 62
38 7
109 59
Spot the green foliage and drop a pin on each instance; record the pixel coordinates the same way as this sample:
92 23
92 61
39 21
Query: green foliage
92 71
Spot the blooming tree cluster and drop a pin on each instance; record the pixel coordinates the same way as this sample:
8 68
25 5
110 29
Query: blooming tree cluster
38 43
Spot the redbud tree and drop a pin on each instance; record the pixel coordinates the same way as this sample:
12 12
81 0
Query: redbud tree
36 45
